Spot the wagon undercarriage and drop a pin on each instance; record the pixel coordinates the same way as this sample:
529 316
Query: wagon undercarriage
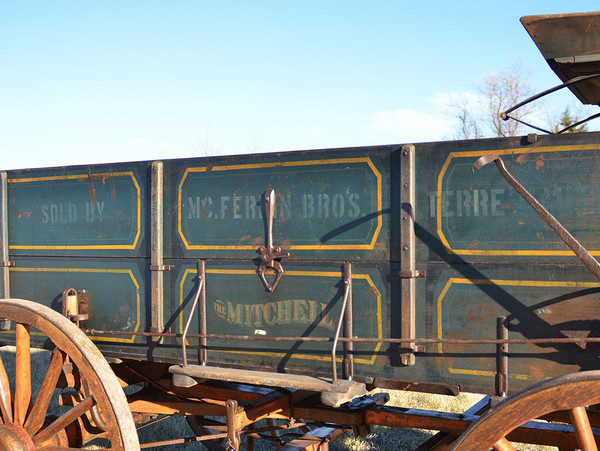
98 410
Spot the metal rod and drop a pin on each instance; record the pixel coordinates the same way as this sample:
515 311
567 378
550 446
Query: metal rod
200 265
502 358
458 341
222 435
202 313
521 121
548 91
347 288
581 252
348 326
578 123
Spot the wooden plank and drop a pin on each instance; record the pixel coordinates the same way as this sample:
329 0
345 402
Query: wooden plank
267 378
315 440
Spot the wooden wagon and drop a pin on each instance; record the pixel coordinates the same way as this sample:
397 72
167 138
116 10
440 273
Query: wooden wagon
286 287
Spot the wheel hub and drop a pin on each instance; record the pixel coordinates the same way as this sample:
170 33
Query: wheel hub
14 438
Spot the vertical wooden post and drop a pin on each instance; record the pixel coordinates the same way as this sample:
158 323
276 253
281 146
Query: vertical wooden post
4 257
156 254
407 252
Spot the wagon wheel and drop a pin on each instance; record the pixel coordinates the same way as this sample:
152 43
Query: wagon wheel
25 423
572 393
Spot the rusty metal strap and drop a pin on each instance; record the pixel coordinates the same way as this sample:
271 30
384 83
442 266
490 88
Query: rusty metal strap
160 267
409 274
7 264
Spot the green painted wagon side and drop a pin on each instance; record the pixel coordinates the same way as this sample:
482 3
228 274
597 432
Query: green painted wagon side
129 236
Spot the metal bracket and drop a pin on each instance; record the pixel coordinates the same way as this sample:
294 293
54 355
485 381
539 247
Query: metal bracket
407 253
502 358
233 433
200 296
269 253
346 320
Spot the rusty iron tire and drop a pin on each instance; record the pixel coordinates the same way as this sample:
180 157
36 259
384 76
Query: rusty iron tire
24 420
571 393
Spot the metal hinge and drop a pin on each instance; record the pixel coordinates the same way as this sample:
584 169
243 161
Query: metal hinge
8 264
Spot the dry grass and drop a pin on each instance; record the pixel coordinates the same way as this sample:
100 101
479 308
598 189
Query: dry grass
380 438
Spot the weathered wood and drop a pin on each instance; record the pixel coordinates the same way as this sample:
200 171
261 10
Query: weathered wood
270 379
570 392
23 369
315 440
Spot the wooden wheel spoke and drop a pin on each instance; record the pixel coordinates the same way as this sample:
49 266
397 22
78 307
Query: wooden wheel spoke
63 421
583 429
5 395
23 373
28 423
38 412
503 445
547 399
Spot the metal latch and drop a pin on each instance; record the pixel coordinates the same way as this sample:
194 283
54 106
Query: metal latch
270 253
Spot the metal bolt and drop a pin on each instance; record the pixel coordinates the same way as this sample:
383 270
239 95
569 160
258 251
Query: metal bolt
405 247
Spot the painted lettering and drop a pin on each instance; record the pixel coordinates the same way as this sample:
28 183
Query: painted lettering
466 203
279 313
62 213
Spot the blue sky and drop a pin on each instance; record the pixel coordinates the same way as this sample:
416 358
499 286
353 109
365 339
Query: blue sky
90 81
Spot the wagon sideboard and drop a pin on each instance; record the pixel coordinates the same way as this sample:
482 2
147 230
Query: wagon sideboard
441 266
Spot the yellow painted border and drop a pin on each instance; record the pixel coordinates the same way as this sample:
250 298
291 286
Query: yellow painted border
499 282
480 153
282 164
338 275
98 270
86 177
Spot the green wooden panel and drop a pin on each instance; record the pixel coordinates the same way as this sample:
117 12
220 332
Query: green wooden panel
538 301
80 211
332 205
306 303
478 216
116 291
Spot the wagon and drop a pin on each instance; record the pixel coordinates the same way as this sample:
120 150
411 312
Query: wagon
286 287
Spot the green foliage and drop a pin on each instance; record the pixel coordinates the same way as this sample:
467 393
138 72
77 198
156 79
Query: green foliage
567 120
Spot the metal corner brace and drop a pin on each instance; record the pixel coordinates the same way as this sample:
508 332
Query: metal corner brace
407 253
